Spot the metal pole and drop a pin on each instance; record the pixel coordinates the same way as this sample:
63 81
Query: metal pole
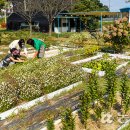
69 24
80 25
121 15
66 24
101 22
129 16
109 5
54 24
58 26
75 24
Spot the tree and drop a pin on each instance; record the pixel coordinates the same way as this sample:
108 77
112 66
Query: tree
127 1
88 6
2 3
27 9
51 8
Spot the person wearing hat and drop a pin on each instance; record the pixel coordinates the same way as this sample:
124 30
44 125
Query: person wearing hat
38 45
19 45
11 58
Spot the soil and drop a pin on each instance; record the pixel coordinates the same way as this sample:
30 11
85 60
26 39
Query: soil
93 125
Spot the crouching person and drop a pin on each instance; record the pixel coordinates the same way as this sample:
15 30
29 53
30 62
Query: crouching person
38 45
12 58
19 45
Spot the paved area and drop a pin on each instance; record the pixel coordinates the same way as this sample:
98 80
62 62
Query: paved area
53 51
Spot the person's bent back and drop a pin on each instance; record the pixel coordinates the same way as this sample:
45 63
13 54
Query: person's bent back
38 45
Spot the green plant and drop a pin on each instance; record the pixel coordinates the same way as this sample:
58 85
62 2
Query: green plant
68 121
127 127
93 86
50 124
90 50
98 112
84 108
78 39
125 93
117 34
111 82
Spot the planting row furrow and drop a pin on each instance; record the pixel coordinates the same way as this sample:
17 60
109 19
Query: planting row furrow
33 118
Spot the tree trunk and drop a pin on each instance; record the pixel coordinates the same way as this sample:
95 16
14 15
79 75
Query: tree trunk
50 28
30 26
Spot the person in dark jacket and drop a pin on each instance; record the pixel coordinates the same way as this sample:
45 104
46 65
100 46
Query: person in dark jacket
11 58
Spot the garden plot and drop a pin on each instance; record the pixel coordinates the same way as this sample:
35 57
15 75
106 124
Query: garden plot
52 74
39 112
98 63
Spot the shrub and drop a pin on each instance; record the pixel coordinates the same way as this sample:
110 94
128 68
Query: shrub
3 25
79 38
117 34
90 50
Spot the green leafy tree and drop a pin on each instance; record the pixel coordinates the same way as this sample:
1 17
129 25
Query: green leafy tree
88 6
2 3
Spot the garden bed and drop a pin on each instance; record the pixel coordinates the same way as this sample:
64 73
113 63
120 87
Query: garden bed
28 81
114 121
98 63
40 112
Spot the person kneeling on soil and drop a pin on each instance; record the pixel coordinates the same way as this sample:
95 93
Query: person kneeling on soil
12 58
19 45
39 46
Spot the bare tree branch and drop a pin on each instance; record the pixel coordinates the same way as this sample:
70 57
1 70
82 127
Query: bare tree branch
27 9
51 8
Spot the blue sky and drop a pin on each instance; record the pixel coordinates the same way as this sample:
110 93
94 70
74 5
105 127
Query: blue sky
115 5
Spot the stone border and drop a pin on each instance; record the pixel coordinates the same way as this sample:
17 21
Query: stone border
124 125
87 59
102 73
27 105
120 56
